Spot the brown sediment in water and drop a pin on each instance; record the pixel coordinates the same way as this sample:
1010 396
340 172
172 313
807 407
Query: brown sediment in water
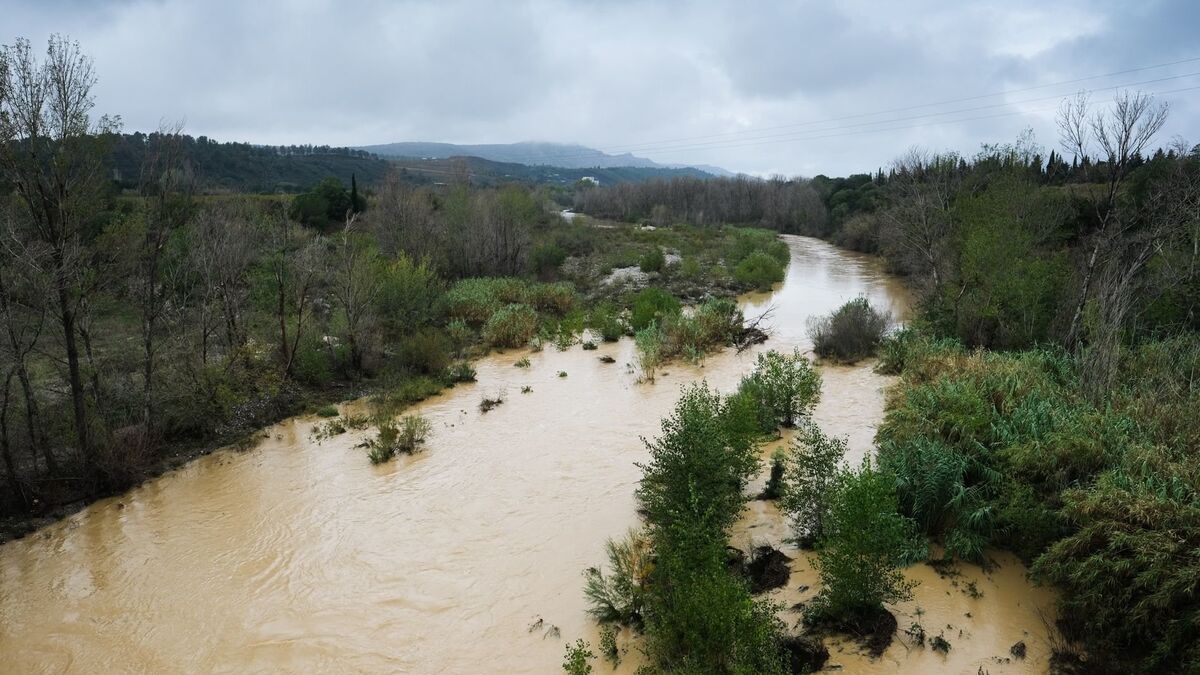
300 556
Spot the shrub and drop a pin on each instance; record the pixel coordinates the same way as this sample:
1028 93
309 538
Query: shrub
461 371
689 268
652 305
653 260
546 259
556 298
511 326
649 351
606 320
313 363
327 411
811 479
785 388
619 597
758 270
851 332
576 661
426 352
394 438
865 545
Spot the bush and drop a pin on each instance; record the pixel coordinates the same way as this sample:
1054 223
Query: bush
759 270
511 326
606 320
327 411
426 352
556 298
649 351
546 259
620 596
653 260
850 333
784 387
313 362
865 545
462 371
811 472
576 661
652 305
395 438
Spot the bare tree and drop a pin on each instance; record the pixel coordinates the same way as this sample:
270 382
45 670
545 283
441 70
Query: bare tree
918 217
53 156
294 267
167 187
1116 136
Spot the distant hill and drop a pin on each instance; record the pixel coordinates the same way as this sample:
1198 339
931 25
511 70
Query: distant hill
487 172
241 167
565 155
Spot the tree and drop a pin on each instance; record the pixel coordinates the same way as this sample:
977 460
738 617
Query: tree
785 387
167 187
1118 134
358 277
53 156
810 479
292 276
866 542
918 211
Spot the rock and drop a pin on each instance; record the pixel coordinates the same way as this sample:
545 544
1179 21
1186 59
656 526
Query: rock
1018 650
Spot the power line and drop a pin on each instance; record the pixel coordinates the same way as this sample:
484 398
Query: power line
678 145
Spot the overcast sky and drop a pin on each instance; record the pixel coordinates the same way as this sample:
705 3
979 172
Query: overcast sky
687 82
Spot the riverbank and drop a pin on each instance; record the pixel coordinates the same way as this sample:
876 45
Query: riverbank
469 552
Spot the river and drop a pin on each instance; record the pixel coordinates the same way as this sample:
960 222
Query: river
300 556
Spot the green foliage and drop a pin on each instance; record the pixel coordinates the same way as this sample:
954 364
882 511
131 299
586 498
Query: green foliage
649 344
545 259
759 270
865 544
511 326
314 363
395 438
653 260
812 467
784 387
409 297
426 352
608 645
578 658
699 616
326 204
460 371
620 596
327 411
606 320
652 305
851 332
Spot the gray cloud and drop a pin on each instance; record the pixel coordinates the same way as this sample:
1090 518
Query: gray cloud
618 75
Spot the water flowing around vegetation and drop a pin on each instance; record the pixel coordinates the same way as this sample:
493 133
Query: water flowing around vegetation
299 555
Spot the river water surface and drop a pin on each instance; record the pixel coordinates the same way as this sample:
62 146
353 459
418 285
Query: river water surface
300 556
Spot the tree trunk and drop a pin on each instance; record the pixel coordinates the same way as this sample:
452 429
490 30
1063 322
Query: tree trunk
75 377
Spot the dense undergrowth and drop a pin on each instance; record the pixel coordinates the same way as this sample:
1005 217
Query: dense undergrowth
1101 497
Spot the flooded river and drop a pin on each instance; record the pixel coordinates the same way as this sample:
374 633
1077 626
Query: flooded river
300 556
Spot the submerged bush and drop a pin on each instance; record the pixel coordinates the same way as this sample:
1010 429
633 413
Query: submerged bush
426 352
398 438
606 320
852 332
865 545
812 466
511 326
619 597
784 387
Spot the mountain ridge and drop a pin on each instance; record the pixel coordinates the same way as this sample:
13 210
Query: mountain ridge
532 153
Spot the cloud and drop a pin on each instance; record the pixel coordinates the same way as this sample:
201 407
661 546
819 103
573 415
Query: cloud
727 83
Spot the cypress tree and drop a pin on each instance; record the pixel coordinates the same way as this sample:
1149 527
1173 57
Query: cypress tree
354 203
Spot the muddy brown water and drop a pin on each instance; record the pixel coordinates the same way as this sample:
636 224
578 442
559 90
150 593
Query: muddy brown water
300 556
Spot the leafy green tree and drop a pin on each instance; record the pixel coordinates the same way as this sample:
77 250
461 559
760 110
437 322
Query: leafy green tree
811 469
865 544
785 387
